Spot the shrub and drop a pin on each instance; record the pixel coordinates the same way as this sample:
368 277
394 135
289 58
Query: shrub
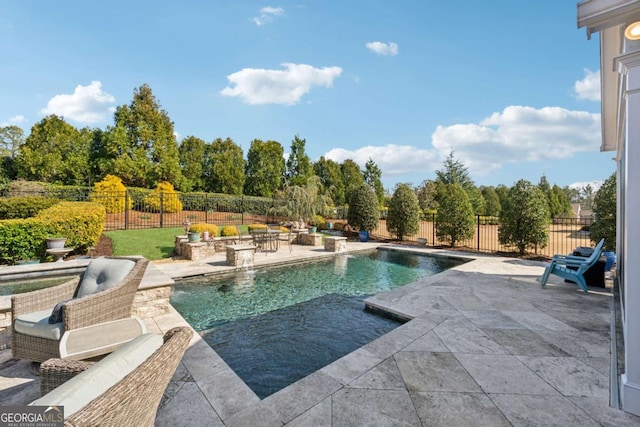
364 211
229 230
111 193
24 207
524 218
454 220
404 212
254 227
604 213
80 222
166 195
200 227
319 222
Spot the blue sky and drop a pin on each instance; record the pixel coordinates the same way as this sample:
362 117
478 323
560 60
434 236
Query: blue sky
512 87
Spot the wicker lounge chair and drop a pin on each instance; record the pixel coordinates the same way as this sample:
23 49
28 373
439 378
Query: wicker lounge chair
131 400
37 339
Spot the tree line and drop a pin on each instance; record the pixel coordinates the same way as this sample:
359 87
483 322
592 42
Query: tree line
142 150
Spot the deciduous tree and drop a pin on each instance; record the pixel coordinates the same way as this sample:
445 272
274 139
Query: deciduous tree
192 162
330 175
351 177
299 167
604 211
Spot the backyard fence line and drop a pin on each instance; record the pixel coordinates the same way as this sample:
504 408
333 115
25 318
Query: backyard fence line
149 209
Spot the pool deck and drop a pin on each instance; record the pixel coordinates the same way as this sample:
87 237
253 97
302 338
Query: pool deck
486 346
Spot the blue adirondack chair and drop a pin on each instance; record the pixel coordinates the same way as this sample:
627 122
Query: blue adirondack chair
560 264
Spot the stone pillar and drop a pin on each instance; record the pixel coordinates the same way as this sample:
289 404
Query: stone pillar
629 65
335 244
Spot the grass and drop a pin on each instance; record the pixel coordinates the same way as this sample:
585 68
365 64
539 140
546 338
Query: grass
152 243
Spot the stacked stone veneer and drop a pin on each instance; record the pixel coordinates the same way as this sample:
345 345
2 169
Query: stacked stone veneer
335 244
311 239
199 250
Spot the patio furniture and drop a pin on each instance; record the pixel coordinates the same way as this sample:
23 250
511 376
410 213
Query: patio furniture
572 268
123 389
43 319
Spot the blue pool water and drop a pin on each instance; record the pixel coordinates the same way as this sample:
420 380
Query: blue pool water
273 326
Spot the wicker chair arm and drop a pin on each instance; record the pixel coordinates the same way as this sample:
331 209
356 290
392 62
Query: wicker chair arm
55 372
43 298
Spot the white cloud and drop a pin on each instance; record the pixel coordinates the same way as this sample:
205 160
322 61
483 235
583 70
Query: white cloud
13 121
260 86
589 87
391 158
17 119
516 135
87 104
267 14
520 134
381 48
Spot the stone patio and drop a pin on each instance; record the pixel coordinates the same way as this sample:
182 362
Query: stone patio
485 346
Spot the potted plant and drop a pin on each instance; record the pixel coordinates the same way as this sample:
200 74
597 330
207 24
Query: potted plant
55 242
364 211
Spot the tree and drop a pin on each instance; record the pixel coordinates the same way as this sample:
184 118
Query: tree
404 212
265 168
555 208
373 176
151 140
192 159
427 195
566 209
454 220
364 211
330 176
11 139
491 200
605 214
55 152
225 168
455 172
351 177
503 193
524 220
299 167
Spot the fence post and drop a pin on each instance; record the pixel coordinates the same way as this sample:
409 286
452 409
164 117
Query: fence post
478 227
161 208
126 209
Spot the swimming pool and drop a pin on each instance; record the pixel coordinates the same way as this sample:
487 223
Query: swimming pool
273 326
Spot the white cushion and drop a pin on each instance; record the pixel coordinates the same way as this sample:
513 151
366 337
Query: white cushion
79 391
37 324
102 274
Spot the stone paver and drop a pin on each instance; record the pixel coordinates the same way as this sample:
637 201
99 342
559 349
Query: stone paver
486 346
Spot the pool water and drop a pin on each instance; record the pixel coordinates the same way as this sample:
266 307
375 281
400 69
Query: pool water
19 287
275 325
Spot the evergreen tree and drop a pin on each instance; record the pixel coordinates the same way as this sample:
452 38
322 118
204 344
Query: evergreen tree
427 195
299 167
364 211
492 202
566 210
192 159
11 139
352 177
454 220
502 191
404 212
55 152
605 213
330 175
151 140
265 168
225 167
373 176
524 219
455 172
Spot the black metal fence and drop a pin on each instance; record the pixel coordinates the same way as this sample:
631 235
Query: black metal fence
565 234
139 208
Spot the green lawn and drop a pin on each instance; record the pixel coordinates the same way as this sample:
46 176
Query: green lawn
152 243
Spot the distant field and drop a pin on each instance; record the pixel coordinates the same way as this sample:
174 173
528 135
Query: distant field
562 238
